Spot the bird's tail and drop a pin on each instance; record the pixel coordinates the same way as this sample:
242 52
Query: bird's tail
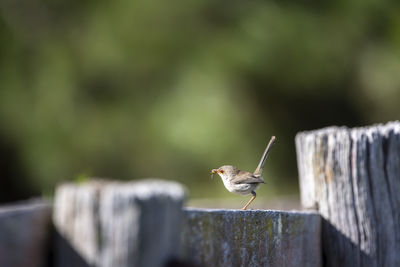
260 166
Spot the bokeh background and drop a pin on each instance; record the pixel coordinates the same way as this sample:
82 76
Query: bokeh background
148 88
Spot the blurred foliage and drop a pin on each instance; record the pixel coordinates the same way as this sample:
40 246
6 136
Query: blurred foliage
171 89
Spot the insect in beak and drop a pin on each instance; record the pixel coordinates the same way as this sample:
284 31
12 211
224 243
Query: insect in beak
213 171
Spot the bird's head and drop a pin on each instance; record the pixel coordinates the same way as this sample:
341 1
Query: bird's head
227 172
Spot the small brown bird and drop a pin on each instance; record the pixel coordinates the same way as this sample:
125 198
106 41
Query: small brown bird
242 182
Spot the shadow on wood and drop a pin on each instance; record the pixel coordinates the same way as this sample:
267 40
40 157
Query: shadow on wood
334 242
64 253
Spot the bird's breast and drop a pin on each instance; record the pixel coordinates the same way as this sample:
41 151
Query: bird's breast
240 189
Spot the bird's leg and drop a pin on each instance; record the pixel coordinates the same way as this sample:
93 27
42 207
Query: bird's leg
251 200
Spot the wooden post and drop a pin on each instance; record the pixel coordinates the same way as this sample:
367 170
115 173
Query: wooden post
25 229
251 238
352 177
103 223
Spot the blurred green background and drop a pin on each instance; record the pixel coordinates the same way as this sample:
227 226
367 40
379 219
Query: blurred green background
170 89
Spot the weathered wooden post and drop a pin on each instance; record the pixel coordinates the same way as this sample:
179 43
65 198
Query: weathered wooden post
352 177
103 223
213 237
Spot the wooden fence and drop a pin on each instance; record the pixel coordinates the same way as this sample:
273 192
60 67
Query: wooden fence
349 179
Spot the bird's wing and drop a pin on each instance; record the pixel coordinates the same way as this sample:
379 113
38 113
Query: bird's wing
247 178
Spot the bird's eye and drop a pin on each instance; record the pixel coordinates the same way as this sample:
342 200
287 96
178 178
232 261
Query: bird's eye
221 171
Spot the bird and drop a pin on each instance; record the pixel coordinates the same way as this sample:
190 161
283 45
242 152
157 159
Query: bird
243 182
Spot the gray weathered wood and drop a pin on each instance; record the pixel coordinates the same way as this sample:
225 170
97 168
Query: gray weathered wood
352 177
251 238
24 234
118 224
